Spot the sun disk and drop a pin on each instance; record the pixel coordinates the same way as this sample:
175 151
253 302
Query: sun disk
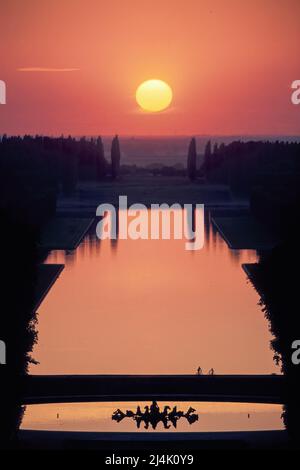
154 95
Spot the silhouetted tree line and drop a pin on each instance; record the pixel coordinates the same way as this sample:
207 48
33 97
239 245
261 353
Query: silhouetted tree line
275 201
61 161
19 260
244 165
277 283
28 179
38 167
269 173
32 172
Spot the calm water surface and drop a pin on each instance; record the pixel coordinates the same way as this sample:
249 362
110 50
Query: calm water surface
97 417
150 306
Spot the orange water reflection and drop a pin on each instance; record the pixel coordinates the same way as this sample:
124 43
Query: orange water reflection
96 417
150 306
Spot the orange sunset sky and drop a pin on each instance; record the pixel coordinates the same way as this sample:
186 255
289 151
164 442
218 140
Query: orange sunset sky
230 65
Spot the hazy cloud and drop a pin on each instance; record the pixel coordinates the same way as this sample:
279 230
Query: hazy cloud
46 69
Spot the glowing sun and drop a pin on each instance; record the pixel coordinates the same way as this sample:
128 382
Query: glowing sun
154 95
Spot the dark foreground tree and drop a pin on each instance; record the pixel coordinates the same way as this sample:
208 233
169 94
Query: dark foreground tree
115 157
191 160
19 276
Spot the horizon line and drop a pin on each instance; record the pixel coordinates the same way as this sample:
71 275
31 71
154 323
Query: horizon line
190 135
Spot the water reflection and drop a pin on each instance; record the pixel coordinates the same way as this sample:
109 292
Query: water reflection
97 417
153 415
148 306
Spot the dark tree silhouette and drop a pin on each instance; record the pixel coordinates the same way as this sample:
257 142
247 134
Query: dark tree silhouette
42 165
18 263
245 165
278 286
100 159
207 164
115 157
70 167
192 160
